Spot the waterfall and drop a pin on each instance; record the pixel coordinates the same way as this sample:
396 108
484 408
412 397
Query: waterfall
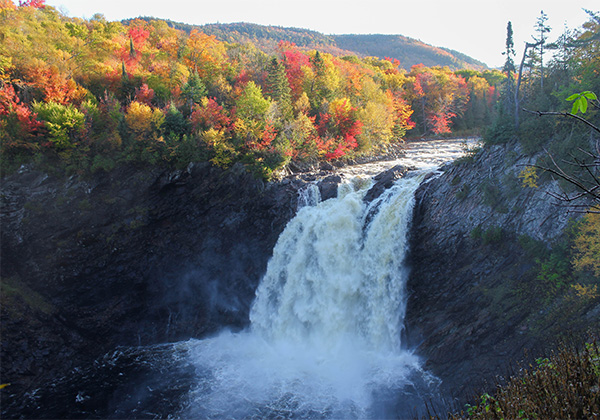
309 196
326 323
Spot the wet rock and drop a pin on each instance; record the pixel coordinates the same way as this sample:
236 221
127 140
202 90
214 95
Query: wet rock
384 181
326 166
328 186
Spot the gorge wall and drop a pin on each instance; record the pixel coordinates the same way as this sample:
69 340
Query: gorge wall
133 257
476 306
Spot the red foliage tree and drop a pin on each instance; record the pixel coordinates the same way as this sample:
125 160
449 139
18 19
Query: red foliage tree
54 86
138 35
210 115
265 142
394 61
144 94
18 124
440 123
36 4
338 129
294 60
492 95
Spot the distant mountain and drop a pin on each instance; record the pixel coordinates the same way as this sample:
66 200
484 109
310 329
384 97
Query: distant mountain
407 50
236 32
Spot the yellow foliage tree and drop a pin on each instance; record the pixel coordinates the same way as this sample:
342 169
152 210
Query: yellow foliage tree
7 4
377 115
206 54
529 177
587 245
143 121
223 152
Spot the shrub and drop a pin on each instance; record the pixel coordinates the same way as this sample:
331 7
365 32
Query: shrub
492 235
476 232
554 272
534 133
562 386
463 192
492 196
533 248
502 130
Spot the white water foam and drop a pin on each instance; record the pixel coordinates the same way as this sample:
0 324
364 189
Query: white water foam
327 318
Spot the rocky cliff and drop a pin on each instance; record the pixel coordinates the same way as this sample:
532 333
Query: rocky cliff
476 305
136 256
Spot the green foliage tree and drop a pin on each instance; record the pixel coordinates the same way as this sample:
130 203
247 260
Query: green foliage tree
193 91
278 88
63 122
252 105
175 125
509 69
542 30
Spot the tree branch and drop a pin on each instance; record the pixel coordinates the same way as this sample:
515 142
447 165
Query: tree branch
564 114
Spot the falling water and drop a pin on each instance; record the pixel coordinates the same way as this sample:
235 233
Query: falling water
326 323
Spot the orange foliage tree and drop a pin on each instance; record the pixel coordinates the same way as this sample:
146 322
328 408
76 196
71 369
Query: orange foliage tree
439 95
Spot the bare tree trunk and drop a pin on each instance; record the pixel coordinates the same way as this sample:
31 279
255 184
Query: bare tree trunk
517 107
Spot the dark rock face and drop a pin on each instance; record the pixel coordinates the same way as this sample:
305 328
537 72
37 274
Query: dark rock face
385 180
472 308
127 258
328 186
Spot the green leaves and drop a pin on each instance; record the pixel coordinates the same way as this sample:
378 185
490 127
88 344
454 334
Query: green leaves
581 101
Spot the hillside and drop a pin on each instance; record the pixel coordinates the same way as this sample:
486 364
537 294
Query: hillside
90 95
407 50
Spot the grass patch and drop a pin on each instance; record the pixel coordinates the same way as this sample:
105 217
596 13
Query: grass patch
13 288
492 235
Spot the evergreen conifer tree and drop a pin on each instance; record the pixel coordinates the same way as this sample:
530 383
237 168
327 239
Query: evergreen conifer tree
509 68
194 90
278 88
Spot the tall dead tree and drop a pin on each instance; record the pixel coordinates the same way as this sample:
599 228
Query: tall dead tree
519 79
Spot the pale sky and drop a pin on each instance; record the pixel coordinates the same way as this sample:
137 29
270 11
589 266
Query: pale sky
474 27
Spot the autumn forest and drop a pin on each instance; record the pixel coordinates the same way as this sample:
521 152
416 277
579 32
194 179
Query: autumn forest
86 95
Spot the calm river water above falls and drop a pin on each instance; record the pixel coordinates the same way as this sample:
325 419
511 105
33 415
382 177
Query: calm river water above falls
325 327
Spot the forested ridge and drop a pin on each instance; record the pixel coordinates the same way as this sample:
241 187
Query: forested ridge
85 95
407 50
